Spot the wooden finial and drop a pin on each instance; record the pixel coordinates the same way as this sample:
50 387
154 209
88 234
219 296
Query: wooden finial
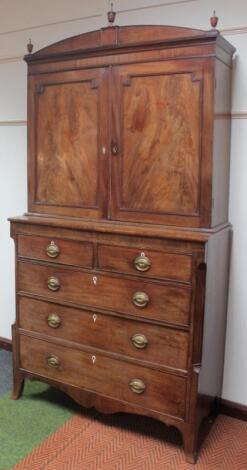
111 15
214 20
30 47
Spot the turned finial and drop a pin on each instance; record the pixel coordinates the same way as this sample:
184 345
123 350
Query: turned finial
111 15
214 20
30 47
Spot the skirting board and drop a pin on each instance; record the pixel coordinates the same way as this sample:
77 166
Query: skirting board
5 344
235 410
228 408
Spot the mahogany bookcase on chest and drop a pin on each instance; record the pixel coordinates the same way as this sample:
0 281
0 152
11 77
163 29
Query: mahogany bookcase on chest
122 258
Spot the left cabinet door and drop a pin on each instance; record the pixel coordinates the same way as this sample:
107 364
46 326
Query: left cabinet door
68 143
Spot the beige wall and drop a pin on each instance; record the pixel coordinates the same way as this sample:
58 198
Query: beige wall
50 21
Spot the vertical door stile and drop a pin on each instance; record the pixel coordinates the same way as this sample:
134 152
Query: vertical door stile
104 148
110 133
116 141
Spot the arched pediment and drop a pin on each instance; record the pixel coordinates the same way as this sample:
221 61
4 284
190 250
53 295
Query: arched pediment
115 38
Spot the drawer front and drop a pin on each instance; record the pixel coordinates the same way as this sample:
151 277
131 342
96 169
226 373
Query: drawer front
147 263
164 302
117 379
56 250
139 340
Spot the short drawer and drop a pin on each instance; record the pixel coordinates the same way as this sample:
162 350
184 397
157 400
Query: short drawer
146 263
56 250
138 297
139 340
131 383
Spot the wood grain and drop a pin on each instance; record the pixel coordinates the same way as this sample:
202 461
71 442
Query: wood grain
171 266
167 393
126 36
168 302
125 157
70 252
157 122
67 134
166 346
67 123
179 235
161 146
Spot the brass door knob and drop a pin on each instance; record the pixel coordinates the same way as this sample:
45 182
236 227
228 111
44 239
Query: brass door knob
140 299
53 361
54 321
53 283
137 386
142 263
52 250
139 341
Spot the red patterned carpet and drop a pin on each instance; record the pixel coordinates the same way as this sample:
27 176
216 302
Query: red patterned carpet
120 442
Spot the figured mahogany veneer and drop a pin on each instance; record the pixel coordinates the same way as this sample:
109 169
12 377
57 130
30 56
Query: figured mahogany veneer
167 302
85 327
122 259
68 251
104 375
163 265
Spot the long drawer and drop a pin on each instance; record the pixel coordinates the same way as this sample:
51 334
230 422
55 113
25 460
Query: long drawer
157 344
138 297
130 383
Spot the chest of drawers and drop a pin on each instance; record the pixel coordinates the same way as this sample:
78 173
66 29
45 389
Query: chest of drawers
129 333
122 258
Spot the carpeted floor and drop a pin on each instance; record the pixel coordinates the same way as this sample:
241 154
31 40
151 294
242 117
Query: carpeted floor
135 443
25 423
45 430
5 371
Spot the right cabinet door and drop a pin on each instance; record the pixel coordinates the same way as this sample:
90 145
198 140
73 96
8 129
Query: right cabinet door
158 119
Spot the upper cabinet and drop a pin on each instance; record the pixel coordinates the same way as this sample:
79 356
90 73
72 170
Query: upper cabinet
122 132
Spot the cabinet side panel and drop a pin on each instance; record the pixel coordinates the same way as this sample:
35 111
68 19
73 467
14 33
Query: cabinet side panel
221 143
211 373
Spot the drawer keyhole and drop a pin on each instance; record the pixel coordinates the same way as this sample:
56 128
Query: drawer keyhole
93 359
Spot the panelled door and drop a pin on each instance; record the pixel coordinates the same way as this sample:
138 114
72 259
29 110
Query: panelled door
157 119
68 143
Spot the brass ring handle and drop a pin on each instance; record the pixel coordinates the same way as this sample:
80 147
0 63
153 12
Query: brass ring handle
140 299
53 283
140 341
54 321
52 250
142 263
137 386
53 361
